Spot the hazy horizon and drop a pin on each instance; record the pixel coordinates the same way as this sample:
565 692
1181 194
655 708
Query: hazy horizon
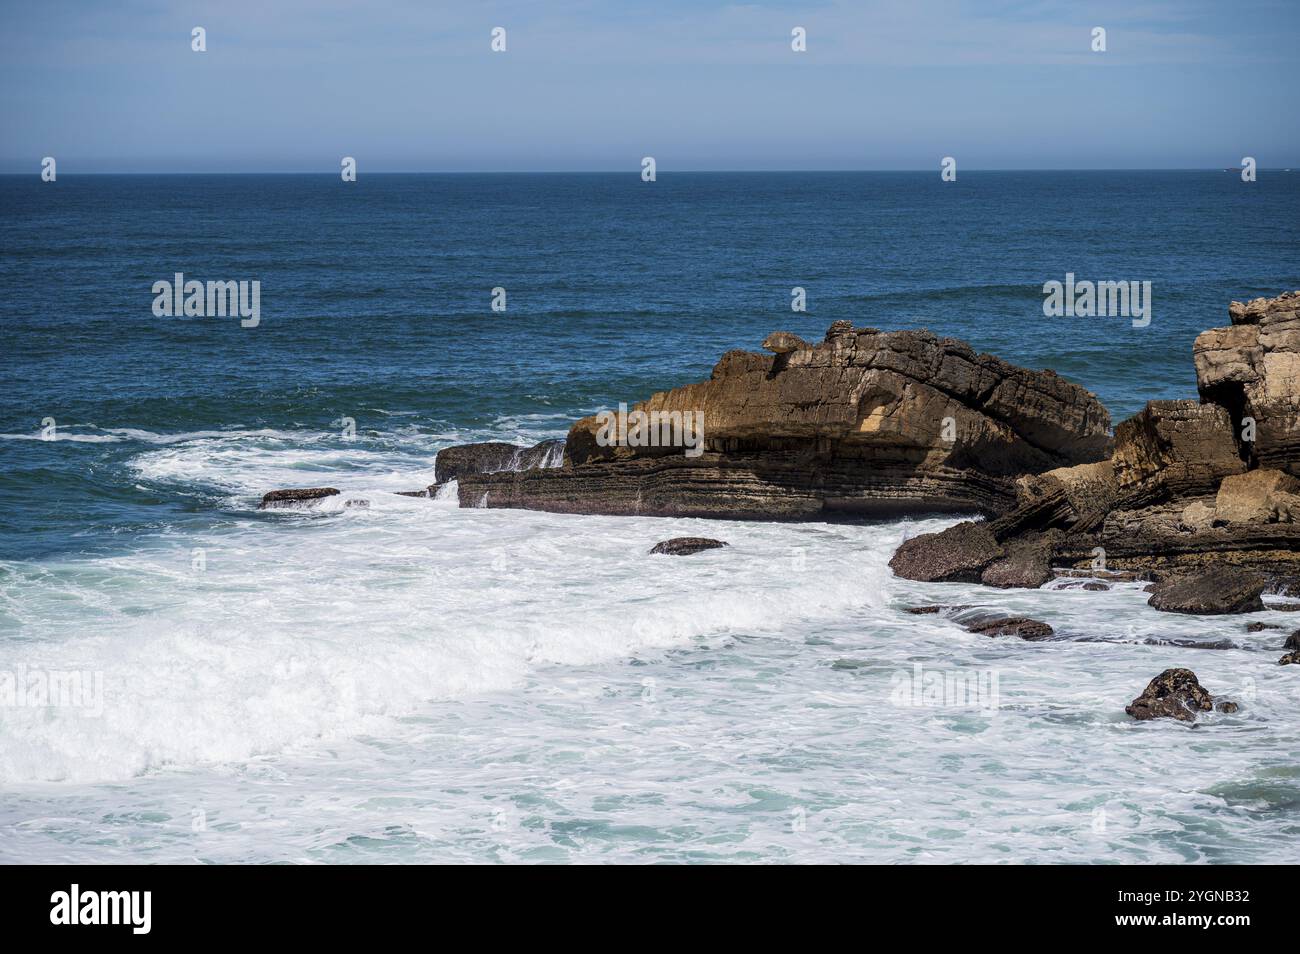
595 85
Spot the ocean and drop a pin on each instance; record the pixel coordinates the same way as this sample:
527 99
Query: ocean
411 681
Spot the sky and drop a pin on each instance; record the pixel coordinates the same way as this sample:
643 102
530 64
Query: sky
414 85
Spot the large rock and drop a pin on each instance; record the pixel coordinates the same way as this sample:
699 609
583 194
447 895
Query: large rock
1175 694
1260 496
864 422
1253 370
959 554
1175 498
455 462
1211 593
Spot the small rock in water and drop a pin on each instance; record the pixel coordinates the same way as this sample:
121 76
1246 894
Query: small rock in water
1290 659
1260 627
927 610
292 497
1220 591
1175 694
1021 626
685 546
1292 641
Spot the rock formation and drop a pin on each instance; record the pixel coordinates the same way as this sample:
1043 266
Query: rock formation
1190 486
865 422
1175 694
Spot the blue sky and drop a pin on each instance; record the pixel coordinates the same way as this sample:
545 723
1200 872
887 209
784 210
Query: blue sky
293 85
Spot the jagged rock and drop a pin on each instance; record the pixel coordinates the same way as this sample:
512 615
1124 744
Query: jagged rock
294 497
1292 641
1259 496
782 342
1211 593
1253 370
1175 694
956 555
685 546
1022 626
865 422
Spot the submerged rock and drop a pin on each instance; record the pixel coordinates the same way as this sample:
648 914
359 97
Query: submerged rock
295 496
929 610
1021 626
1211 593
1175 694
685 546
1260 627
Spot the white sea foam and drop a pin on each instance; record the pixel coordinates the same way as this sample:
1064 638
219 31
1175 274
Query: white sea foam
414 681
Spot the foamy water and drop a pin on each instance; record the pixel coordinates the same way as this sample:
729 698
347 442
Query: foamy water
410 681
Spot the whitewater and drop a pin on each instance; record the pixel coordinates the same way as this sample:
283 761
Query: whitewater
413 681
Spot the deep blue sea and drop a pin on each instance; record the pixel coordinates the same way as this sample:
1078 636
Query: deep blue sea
410 681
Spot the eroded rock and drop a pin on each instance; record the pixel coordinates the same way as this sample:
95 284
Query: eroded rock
1175 694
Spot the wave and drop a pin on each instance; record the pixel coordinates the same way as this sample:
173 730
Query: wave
294 633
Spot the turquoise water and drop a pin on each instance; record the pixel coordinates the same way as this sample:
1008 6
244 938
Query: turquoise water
411 681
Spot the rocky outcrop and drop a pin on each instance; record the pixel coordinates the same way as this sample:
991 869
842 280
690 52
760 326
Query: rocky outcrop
864 422
489 457
1190 486
685 546
1253 369
1214 593
295 497
1175 694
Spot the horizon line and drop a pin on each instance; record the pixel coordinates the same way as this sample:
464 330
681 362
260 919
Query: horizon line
635 171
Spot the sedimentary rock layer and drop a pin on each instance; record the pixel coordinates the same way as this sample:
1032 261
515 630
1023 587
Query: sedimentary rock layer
865 422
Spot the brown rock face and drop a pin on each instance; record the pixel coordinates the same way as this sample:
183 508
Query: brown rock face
1253 370
865 422
1212 593
1175 694
1183 492
1260 496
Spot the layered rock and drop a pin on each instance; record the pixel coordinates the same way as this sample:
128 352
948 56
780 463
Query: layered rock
865 422
1253 369
1182 491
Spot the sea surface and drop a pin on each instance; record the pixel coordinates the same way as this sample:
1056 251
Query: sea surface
409 681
